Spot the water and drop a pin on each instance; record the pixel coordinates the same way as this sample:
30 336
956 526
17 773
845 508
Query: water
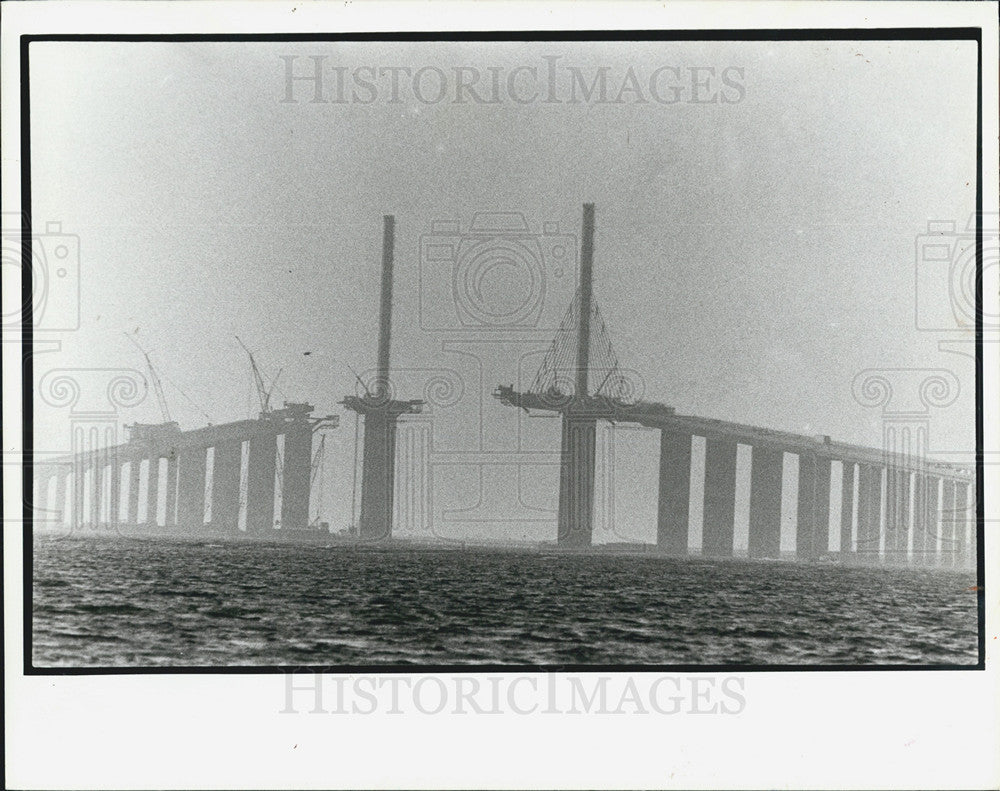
134 603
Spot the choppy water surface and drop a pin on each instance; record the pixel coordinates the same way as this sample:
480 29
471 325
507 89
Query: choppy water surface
140 602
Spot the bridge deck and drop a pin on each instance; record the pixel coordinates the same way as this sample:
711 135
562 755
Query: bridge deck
659 416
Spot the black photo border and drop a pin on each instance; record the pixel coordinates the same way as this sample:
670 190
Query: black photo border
802 34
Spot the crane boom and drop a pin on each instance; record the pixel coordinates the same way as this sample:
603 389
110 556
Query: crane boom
263 395
274 384
157 385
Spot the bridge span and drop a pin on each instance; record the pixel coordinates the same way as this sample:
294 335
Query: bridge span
189 481
906 507
896 504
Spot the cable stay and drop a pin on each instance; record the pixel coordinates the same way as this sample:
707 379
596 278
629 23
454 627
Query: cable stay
557 374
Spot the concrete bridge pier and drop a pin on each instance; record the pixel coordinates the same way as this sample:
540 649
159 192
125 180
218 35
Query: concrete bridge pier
673 506
720 497
115 491
260 483
153 489
77 515
916 553
576 481
381 412
812 530
897 522
766 472
170 518
961 525
967 555
946 555
61 512
132 507
377 475
869 510
96 474
295 477
932 527
191 488
847 508
226 487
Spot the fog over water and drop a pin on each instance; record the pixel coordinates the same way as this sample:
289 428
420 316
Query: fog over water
753 254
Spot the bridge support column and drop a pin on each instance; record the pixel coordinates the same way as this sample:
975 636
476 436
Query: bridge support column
78 516
260 483
869 511
170 519
576 481
377 475
191 498
226 487
720 497
947 553
295 477
897 522
675 492
766 469
132 509
96 475
846 508
115 489
812 529
930 518
961 524
968 556
153 490
916 553
61 515
973 553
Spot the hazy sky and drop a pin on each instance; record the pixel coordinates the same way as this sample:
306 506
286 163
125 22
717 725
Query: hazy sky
752 255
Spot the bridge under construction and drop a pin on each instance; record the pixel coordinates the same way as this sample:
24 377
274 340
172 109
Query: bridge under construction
896 505
190 481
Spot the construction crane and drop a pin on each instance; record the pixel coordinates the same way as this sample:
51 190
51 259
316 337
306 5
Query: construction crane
157 386
263 392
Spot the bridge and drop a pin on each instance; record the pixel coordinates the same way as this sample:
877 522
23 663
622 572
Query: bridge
381 414
923 514
895 505
188 481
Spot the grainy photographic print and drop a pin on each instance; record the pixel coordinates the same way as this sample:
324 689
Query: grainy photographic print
380 361
531 353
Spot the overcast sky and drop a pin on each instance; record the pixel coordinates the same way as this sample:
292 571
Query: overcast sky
753 254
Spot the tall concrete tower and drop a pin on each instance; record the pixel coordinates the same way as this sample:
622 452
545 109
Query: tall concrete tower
380 413
579 421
